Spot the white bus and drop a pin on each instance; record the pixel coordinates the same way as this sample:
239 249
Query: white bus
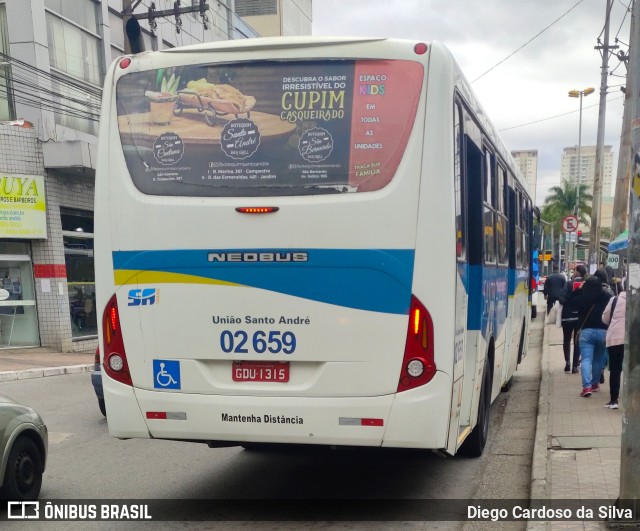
306 241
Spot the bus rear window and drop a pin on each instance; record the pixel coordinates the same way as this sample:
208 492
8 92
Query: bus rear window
267 128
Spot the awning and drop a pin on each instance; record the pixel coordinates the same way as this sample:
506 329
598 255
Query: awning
620 243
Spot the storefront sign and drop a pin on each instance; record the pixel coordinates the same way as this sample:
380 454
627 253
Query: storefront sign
23 209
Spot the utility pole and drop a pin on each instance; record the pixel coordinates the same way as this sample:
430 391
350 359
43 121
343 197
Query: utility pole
621 200
594 238
130 27
630 443
126 15
133 42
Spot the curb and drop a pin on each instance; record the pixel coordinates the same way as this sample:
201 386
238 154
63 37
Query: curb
26 374
540 465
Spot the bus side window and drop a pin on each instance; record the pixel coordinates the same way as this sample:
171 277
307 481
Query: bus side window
519 242
473 179
512 214
488 223
527 232
461 243
502 238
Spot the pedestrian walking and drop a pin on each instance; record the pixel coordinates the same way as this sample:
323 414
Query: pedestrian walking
570 324
553 287
614 315
591 301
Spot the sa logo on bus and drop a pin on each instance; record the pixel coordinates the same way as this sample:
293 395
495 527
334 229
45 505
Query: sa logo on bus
142 297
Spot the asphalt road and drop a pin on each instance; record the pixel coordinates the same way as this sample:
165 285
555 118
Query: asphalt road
86 463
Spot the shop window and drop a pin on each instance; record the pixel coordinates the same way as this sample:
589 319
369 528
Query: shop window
77 233
18 317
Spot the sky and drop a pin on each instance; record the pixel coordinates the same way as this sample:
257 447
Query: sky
530 86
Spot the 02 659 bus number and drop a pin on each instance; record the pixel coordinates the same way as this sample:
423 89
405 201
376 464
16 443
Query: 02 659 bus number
273 341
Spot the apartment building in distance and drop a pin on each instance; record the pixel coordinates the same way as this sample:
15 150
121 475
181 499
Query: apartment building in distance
527 162
569 167
53 58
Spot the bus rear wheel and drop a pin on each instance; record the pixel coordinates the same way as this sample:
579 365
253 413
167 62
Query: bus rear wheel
474 444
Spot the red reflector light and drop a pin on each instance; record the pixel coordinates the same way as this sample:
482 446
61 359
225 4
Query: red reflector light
372 422
158 415
125 63
257 210
114 355
420 48
418 365
113 317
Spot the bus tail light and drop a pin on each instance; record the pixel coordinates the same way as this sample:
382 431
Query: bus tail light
115 359
420 48
418 365
257 210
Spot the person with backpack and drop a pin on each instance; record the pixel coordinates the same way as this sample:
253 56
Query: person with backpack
614 315
570 324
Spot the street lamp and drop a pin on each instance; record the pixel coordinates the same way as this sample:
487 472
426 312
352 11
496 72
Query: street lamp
579 94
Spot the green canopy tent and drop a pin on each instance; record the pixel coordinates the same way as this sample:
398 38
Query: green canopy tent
620 244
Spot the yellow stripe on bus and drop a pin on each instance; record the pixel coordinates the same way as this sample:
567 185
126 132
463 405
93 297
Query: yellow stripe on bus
124 277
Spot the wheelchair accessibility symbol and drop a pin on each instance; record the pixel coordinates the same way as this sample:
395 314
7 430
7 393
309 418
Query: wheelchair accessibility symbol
166 374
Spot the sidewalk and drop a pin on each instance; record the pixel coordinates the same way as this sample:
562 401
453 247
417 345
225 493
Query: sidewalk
18 364
577 448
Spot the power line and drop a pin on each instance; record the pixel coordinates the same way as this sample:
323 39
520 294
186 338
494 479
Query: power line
607 19
556 116
38 89
231 16
627 11
90 102
16 64
182 30
529 41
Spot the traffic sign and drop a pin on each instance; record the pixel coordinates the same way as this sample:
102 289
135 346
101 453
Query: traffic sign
570 224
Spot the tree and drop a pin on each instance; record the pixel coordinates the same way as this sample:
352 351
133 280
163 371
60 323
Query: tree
561 202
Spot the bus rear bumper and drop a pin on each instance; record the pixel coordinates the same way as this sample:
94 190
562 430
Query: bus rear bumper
418 418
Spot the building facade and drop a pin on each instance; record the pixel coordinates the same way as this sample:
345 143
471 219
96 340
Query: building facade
53 58
527 162
587 164
606 214
276 17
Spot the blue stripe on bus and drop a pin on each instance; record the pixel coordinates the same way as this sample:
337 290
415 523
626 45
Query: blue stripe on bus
489 290
377 280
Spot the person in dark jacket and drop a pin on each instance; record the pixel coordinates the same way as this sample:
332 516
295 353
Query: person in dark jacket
553 287
570 324
591 301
